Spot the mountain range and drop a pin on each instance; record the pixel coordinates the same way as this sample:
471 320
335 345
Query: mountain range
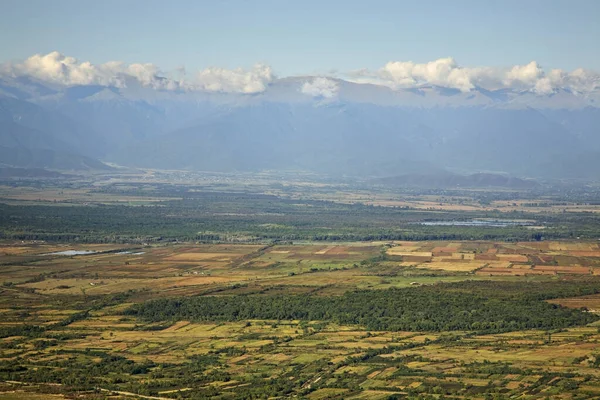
346 129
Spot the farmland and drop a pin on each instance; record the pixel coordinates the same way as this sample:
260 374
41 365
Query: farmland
217 289
228 208
79 306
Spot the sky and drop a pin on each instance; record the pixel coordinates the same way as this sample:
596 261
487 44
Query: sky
305 37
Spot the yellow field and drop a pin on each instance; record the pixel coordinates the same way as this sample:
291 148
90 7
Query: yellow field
51 288
396 251
452 266
501 259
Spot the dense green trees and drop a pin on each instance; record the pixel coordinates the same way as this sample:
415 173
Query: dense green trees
471 305
253 217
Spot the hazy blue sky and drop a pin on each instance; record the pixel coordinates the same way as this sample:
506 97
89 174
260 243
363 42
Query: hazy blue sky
305 36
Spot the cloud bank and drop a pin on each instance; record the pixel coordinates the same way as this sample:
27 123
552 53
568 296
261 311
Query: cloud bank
447 73
236 80
58 69
321 87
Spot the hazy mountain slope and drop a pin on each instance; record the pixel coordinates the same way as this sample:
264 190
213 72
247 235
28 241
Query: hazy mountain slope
58 128
348 129
582 165
46 158
24 88
10 172
335 138
15 135
500 140
33 137
583 123
363 139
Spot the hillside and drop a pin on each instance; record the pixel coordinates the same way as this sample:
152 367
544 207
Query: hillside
353 130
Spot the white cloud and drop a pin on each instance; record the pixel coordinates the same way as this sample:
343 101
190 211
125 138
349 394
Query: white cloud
527 74
582 80
236 80
579 81
59 69
443 72
321 87
447 73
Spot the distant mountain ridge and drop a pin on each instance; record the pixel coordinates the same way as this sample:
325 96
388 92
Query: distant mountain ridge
10 172
50 159
449 180
349 129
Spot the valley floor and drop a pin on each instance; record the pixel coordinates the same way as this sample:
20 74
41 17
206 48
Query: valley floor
67 328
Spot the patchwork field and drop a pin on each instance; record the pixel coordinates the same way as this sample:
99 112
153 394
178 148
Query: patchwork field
498 259
66 329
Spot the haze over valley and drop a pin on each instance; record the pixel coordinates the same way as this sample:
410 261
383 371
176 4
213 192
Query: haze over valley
311 200
60 113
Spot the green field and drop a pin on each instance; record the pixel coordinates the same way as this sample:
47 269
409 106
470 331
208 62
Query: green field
312 291
95 323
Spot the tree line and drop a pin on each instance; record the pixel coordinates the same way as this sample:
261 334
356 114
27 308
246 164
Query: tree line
471 305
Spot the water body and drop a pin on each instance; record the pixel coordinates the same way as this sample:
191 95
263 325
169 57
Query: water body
493 223
71 253
139 253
